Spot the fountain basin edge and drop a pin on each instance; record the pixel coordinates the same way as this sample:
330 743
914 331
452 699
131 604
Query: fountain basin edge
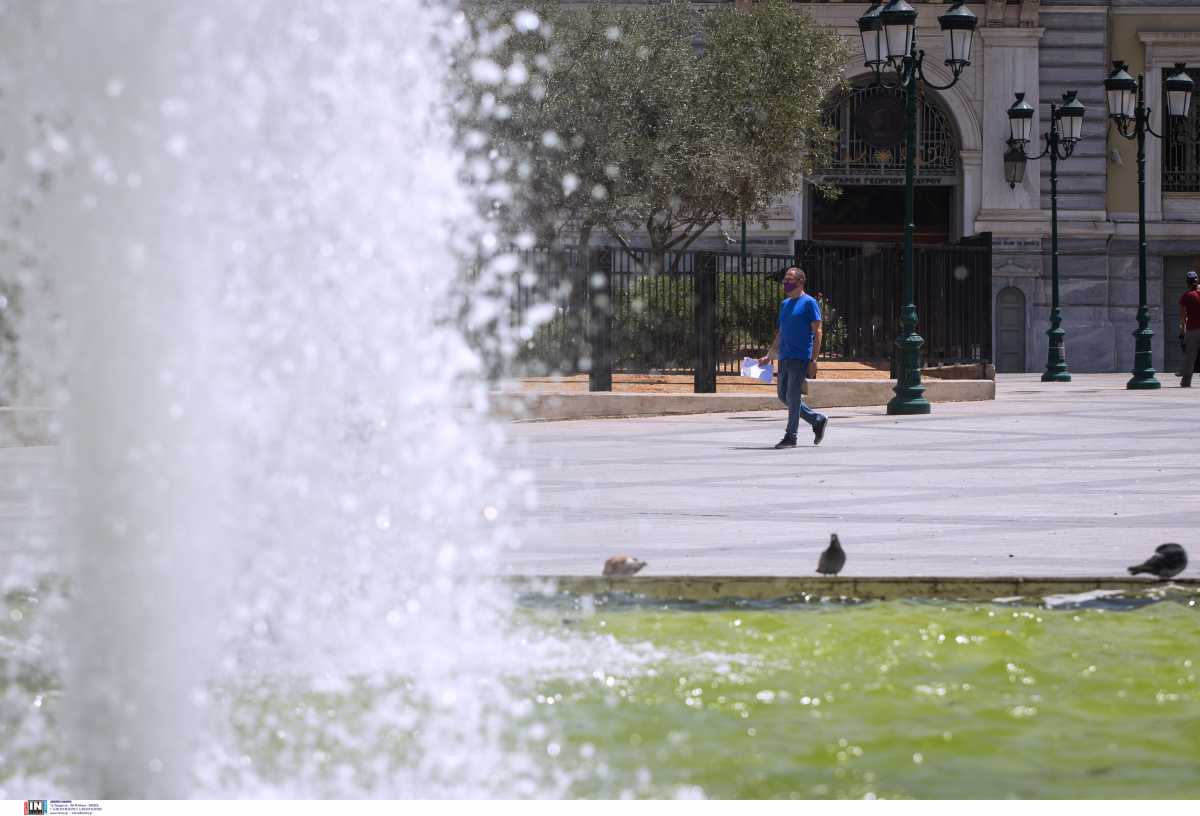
748 587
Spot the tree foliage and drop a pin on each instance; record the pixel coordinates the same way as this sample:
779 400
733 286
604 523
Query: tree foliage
660 119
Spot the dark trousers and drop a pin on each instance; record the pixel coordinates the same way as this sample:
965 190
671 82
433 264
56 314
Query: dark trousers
792 374
1191 347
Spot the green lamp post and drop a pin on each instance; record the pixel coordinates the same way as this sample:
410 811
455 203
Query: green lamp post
1127 109
1066 129
889 39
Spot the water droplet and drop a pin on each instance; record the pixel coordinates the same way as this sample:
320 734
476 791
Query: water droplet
517 73
526 20
486 72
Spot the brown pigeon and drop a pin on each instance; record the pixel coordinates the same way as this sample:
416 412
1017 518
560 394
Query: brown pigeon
623 565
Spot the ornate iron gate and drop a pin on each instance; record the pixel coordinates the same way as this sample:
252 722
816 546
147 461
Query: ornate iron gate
701 312
862 285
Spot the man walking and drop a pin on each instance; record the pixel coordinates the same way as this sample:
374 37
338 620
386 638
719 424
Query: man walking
1189 326
797 344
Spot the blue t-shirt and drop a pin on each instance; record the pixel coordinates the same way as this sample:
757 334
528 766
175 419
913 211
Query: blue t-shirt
796 316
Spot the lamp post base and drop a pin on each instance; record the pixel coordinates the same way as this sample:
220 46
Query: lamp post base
910 393
1056 363
1143 381
1143 362
906 406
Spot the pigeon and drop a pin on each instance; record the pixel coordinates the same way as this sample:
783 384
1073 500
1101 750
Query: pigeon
623 565
1168 561
833 559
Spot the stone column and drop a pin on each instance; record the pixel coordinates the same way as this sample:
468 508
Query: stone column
1010 65
1014 215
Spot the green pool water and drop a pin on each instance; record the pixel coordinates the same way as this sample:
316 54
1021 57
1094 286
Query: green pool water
899 699
612 699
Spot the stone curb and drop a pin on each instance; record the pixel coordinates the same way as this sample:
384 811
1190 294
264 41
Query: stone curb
560 405
708 588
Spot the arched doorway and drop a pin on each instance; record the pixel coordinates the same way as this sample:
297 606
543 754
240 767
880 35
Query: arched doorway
1010 330
868 166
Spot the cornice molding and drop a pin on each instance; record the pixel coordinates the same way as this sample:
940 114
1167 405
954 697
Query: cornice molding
1184 38
1129 11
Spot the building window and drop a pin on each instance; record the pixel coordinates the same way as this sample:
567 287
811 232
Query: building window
1181 151
870 125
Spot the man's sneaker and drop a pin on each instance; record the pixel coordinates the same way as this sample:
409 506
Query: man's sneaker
819 430
788 441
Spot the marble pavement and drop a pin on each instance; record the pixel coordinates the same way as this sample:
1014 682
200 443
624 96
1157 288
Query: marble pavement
1047 480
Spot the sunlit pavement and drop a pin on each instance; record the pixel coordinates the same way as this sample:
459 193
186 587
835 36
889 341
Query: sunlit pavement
1048 480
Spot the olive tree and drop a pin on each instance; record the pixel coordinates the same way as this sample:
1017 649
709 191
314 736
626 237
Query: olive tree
658 120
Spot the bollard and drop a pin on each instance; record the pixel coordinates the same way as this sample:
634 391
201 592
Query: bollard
705 301
600 311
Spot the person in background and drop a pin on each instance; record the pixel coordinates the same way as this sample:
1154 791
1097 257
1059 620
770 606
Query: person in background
797 344
1189 327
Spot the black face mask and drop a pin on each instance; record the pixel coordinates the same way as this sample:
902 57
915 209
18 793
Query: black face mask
788 288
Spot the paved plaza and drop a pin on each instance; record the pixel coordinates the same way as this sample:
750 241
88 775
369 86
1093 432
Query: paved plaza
1047 480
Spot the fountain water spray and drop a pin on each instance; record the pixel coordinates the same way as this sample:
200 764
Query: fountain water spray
276 435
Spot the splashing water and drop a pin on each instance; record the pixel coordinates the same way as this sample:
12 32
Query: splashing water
241 226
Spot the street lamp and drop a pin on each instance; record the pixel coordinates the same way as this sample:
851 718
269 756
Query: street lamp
889 37
1127 109
1066 129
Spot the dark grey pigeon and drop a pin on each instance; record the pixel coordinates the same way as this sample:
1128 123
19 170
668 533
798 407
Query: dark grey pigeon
1168 561
833 559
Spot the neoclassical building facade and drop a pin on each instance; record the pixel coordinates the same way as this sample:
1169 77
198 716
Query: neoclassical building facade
1042 48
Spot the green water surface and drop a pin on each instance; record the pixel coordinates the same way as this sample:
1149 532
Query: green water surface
608 699
898 699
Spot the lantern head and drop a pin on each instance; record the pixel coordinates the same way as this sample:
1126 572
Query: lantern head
1179 87
1020 120
1070 118
1121 90
959 24
899 22
870 29
1014 164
